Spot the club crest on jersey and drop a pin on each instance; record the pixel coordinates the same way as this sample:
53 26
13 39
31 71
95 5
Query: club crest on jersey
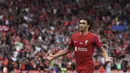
86 41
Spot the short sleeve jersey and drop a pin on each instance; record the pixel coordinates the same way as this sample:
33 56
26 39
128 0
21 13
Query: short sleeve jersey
84 46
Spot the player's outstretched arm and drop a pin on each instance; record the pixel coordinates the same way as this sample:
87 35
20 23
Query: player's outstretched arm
60 53
105 55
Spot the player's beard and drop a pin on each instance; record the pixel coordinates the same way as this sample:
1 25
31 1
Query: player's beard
82 31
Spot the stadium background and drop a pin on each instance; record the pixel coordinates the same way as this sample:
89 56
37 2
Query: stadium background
31 28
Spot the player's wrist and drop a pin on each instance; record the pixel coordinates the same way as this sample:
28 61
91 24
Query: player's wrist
54 56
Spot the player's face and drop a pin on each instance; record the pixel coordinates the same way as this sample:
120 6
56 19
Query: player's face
83 25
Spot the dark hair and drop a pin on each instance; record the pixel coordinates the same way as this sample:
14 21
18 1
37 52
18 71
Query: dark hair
89 21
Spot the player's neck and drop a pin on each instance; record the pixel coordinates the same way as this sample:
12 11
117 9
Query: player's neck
84 32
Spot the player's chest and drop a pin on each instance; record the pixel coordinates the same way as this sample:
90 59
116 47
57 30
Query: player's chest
83 42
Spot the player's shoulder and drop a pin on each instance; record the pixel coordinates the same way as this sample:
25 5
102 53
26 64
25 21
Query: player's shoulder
76 33
93 34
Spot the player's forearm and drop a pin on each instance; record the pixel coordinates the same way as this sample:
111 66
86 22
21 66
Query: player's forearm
104 53
61 53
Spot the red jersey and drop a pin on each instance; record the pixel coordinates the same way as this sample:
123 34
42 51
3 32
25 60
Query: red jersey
84 47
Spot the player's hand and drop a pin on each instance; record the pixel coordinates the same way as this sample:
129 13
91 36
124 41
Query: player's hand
109 59
50 57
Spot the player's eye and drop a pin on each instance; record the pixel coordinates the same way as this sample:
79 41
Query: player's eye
81 23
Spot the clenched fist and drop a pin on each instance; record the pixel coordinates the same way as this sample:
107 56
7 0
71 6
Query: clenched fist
50 57
109 59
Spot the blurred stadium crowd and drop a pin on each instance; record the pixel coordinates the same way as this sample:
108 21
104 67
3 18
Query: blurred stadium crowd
29 29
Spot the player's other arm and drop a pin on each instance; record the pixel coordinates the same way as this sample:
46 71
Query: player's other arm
60 53
105 55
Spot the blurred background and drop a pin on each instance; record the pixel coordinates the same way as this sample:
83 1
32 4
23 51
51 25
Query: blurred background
29 29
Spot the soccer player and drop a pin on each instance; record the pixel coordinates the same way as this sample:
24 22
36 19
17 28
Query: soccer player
83 44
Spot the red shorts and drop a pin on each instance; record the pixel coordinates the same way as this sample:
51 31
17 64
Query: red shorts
87 68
